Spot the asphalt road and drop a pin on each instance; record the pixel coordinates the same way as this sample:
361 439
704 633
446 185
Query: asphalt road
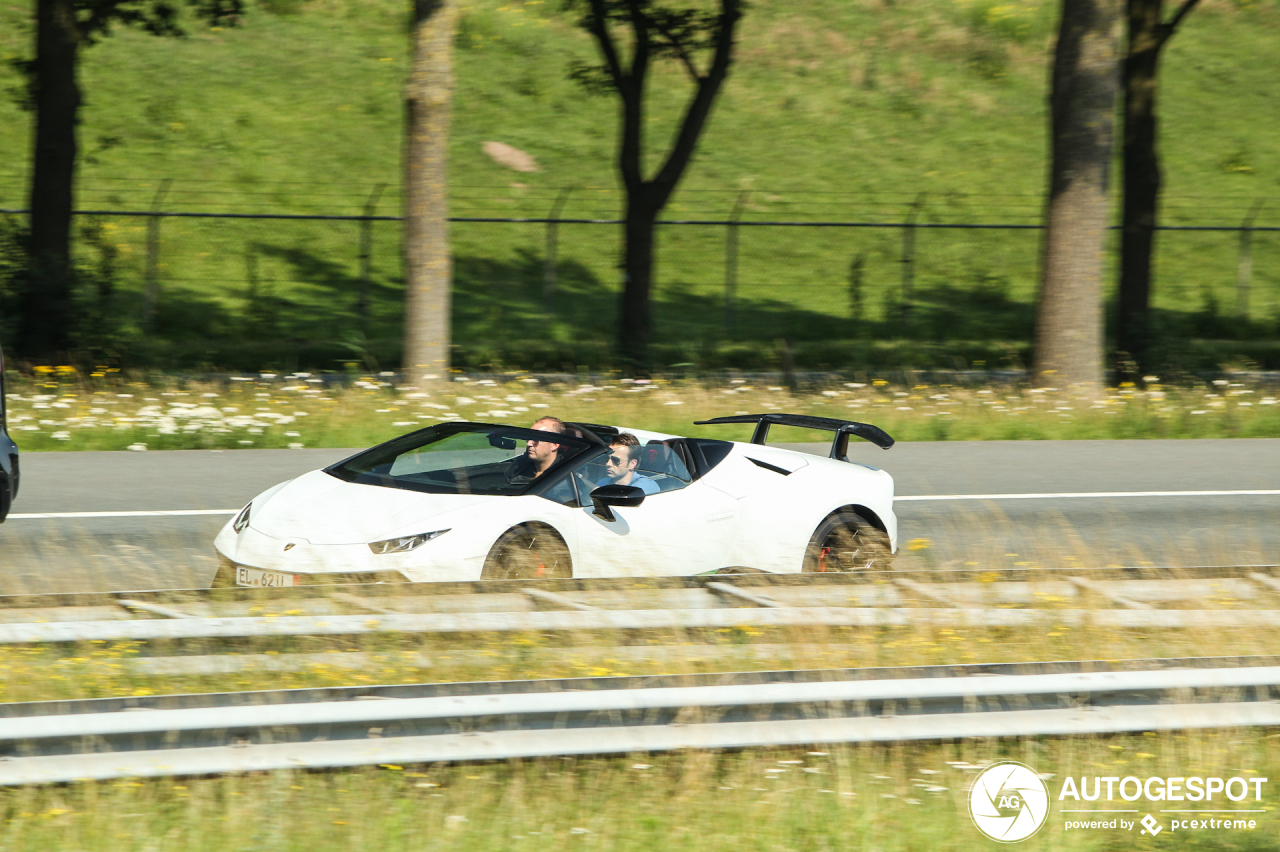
1150 519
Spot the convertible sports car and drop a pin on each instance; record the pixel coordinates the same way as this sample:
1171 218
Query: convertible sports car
8 457
468 501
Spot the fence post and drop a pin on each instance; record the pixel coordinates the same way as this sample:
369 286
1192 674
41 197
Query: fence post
731 262
909 254
366 253
552 248
151 293
1244 268
855 289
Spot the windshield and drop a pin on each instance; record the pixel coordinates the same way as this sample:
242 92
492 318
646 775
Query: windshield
463 458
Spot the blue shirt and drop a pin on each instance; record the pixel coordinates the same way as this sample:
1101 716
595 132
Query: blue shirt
638 480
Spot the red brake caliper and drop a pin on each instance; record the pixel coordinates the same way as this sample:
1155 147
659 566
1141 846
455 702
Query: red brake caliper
822 558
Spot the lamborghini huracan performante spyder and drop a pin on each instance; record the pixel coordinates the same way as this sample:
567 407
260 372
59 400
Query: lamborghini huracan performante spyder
468 501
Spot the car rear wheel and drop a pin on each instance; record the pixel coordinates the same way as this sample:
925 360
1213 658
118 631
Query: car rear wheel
528 552
846 541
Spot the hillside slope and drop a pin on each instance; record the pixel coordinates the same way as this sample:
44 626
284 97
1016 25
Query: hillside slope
835 110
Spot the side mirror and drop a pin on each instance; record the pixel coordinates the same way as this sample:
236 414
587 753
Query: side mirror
502 443
614 495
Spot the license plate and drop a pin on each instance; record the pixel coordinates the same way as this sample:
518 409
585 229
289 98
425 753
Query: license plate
265 579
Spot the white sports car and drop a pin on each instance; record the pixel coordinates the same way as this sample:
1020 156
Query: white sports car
469 501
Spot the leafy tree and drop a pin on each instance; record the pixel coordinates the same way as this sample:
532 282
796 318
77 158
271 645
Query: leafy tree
1069 328
64 28
631 36
428 263
1148 34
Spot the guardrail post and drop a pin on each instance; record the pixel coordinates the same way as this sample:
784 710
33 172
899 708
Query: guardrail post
366 253
1244 267
151 293
552 249
909 254
731 263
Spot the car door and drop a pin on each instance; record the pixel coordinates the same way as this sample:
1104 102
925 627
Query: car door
686 528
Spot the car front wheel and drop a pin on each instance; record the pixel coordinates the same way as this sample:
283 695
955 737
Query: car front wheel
846 541
528 552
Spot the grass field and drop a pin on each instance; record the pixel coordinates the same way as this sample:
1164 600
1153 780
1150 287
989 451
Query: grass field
65 411
867 799
834 111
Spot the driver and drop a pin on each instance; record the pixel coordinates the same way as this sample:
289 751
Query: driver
543 454
620 465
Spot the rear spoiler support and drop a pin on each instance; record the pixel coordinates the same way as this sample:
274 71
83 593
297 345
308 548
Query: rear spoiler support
842 428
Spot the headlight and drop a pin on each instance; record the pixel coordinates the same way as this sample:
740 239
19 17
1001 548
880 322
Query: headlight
242 519
404 544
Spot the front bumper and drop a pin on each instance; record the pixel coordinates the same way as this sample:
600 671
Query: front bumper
335 563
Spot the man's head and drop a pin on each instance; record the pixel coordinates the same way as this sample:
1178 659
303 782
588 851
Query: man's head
543 453
620 464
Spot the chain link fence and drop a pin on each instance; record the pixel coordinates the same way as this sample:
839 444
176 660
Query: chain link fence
202 260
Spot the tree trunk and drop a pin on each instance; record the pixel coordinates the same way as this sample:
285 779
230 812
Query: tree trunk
46 307
1147 36
1069 327
635 323
1141 179
428 262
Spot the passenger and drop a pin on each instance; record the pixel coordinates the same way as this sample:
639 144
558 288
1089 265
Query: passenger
620 465
543 454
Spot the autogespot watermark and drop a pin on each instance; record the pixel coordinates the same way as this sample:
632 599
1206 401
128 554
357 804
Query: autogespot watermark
1010 802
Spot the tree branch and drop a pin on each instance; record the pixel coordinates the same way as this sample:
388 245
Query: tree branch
99 17
1167 30
700 107
600 29
681 51
631 152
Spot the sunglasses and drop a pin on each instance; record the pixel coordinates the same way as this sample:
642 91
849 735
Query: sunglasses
616 460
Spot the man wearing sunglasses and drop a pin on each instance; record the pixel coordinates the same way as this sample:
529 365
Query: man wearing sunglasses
541 455
620 465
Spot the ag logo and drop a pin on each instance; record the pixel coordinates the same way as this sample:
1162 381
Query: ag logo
1008 802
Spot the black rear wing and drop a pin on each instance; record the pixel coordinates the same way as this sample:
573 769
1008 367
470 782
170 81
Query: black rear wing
842 428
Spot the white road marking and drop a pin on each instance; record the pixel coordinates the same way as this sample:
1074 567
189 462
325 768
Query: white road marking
1066 495
1092 494
177 513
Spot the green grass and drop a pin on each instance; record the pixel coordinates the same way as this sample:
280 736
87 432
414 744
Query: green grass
864 798
105 413
833 111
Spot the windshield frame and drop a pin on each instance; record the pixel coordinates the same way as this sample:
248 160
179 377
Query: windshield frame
388 450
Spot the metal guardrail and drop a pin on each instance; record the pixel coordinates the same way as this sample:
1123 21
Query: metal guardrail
1008 584
182 735
707 603
620 620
